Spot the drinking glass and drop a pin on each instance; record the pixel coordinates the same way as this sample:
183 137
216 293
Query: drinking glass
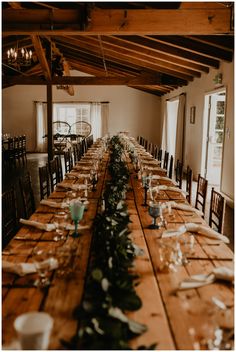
60 221
94 179
77 212
154 211
44 260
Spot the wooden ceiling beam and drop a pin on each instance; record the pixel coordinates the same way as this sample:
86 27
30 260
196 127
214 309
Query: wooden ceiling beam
195 46
15 5
167 59
125 56
151 42
41 56
77 80
190 21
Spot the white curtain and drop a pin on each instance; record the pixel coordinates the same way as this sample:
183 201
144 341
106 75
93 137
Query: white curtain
179 144
95 120
164 129
104 119
41 127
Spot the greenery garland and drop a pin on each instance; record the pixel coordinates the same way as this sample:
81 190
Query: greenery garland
110 287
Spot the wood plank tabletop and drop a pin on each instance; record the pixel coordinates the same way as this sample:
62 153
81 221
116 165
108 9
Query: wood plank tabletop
169 313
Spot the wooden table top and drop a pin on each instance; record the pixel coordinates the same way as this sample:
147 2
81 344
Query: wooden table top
165 310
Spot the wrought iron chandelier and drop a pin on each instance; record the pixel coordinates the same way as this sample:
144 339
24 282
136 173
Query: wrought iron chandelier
19 57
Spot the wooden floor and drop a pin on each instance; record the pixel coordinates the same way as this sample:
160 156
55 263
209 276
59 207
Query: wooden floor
35 160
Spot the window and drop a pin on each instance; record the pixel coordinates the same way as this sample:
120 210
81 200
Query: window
75 113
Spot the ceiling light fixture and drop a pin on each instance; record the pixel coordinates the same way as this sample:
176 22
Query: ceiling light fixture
19 57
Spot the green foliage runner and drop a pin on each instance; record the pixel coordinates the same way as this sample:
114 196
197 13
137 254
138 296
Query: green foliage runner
110 286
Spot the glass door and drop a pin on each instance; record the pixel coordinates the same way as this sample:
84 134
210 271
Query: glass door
215 137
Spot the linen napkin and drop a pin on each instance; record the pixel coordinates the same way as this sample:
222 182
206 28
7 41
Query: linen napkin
74 187
38 225
53 204
26 268
200 229
72 175
158 177
194 281
50 227
168 188
184 207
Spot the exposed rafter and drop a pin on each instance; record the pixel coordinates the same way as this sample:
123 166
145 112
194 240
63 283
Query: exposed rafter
41 56
188 21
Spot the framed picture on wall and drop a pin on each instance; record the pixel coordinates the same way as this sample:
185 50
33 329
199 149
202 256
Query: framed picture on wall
192 114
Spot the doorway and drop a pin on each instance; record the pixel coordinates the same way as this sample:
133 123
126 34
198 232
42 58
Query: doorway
215 105
172 113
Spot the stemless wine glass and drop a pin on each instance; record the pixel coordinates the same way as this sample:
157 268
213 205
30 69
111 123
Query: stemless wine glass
154 210
60 221
44 260
77 212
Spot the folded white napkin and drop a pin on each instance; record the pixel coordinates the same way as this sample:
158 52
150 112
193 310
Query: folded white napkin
53 204
194 281
200 229
168 188
74 187
26 268
158 177
38 225
72 175
184 207
50 227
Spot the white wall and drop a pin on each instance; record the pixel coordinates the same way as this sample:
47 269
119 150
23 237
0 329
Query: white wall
195 92
129 109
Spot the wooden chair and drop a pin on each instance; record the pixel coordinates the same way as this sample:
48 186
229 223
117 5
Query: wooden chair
53 173
217 207
189 180
59 168
27 195
166 160
159 155
179 173
68 161
44 182
201 193
10 223
171 166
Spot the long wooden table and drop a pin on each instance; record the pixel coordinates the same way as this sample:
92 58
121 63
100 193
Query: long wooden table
164 308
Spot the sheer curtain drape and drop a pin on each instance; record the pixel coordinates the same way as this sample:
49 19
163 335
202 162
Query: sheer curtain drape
164 129
95 119
41 127
179 144
173 127
104 118
99 113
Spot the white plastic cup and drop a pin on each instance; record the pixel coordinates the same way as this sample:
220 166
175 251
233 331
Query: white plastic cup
34 329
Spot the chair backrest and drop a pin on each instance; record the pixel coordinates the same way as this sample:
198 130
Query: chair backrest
189 180
68 160
171 166
53 173
27 194
179 173
9 216
217 207
44 181
59 168
145 144
201 193
166 160
159 155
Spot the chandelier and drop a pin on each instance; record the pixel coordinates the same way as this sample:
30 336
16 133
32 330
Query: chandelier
19 57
